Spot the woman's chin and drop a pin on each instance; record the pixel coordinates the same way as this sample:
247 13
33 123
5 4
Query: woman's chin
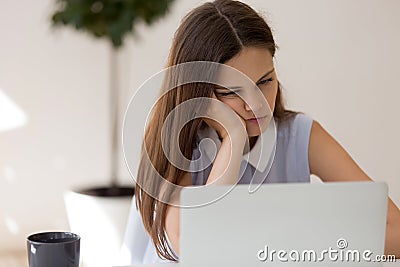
256 130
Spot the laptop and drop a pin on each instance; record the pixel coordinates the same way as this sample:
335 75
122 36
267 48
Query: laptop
296 224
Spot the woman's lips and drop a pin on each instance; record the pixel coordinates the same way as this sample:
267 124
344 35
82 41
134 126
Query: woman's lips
257 120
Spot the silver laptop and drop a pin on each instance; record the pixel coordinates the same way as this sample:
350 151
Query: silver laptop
293 224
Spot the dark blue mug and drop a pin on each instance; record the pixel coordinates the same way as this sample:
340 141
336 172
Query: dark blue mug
53 249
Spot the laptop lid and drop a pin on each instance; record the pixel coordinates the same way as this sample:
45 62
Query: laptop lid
308 222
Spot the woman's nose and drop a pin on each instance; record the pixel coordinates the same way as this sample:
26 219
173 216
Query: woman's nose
254 104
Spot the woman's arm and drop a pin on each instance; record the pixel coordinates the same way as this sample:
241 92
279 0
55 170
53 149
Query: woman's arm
226 169
330 162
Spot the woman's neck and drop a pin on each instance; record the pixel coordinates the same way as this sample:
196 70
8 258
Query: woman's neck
252 142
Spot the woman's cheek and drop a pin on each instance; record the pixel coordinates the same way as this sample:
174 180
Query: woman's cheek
271 99
229 102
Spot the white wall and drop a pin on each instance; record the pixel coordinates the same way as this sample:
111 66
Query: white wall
60 81
337 61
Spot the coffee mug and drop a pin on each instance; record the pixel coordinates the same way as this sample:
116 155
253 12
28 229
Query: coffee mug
53 249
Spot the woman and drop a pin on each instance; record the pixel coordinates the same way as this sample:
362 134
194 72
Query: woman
232 33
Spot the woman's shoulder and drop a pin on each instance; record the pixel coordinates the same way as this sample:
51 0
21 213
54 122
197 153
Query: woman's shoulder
295 124
292 146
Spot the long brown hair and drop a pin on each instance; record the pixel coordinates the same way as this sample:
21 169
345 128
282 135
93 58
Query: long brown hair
215 31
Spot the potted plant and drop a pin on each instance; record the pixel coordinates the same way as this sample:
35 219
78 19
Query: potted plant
99 214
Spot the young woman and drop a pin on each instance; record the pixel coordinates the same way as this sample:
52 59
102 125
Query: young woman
232 33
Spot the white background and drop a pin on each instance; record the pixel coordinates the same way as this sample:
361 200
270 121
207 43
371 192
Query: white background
338 61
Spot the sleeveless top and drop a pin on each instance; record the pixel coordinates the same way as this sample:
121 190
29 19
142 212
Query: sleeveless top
289 165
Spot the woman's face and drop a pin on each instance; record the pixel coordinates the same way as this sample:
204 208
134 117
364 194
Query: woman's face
257 64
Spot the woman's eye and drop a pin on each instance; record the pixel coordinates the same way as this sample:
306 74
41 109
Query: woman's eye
265 81
230 93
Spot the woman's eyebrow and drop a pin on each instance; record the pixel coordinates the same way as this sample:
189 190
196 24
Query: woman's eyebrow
233 88
265 75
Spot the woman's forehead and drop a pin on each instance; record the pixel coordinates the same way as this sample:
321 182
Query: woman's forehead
252 62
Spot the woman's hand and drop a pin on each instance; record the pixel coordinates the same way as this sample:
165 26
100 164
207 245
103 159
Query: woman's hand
225 121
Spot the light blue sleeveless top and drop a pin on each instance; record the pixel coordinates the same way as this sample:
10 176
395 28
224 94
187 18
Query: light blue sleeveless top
289 165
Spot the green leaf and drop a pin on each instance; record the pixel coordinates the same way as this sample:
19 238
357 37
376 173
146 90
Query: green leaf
110 19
